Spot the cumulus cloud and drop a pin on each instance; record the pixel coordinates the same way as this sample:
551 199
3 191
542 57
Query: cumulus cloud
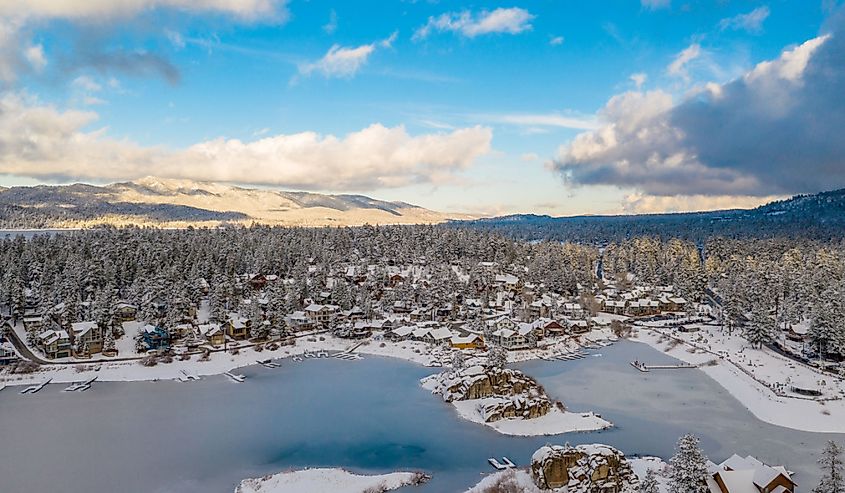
774 131
502 20
41 141
104 9
341 61
751 22
638 203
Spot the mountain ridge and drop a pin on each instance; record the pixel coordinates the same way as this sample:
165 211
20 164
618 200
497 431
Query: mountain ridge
174 202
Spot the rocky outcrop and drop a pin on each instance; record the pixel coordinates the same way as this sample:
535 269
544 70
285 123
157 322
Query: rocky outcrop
502 393
583 469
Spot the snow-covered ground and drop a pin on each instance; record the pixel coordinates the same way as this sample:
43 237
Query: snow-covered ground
758 378
323 480
218 362
554 422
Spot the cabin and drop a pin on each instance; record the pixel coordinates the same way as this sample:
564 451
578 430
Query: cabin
319 314
54 344
747 474
125 312
7 353
237 327
616 307
154 337
439 335
551 328
401 333
212 333
471 341
578 326
257 281
88 333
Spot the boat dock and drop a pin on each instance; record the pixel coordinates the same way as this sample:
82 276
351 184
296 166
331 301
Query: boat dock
235 378
267 363
32 389
80 386
347 356
501 466
646 368
187 377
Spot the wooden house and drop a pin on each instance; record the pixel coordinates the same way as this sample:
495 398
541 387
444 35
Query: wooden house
212 333
471 341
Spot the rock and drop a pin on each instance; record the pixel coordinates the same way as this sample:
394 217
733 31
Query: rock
503 393
583 469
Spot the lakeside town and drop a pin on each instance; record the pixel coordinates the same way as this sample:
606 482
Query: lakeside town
465 317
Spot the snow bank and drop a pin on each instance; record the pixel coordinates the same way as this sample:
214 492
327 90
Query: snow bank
798 414
554 422
323 480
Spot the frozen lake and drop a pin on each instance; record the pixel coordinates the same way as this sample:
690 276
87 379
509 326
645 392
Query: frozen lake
369 416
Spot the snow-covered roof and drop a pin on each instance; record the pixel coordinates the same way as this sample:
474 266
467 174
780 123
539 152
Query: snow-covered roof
441 333
82 328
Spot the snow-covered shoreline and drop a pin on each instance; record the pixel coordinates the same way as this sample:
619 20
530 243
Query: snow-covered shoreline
555 422
325 479
798 414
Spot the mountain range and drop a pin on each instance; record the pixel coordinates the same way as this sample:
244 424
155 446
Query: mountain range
168 202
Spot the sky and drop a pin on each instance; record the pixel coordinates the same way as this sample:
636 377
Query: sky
526 106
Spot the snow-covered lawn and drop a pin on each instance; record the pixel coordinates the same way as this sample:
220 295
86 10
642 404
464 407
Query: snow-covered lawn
324 480
766 367
554 422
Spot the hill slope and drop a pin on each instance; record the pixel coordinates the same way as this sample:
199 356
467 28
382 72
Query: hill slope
154 201
820 216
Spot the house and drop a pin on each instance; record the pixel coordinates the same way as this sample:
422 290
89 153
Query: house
299 322
155 337
237 327
212 333
508 281
257 281
471 341
401 333
440 335
33 322
180 331
550 328
573 310
54 344
88 333
616 307
320 314
395 280
747 474
7 353
125 312
578 326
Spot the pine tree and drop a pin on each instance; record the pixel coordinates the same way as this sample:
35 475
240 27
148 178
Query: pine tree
649 483
497 357
760 328
832 473
689 467
458 360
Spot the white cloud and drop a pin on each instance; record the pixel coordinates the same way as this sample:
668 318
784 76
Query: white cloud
638 79
556 40
678 67
540 120
502 20
751 22
41 141
774 131
175 39
86 83
34 54
655 4
104 9
341 61
638 203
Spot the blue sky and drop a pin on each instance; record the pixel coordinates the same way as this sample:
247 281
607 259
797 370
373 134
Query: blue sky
481 107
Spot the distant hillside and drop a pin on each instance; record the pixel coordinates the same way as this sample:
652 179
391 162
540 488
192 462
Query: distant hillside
154 201
820 216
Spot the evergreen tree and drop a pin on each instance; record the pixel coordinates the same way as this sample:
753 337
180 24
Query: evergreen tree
760 328
689 467
649 483
830 461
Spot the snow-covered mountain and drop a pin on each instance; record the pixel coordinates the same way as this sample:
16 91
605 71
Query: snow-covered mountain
182 202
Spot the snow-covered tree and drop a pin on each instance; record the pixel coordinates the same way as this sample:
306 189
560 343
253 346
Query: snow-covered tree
497 357
833 476
689 467
458 360
649 483
760 328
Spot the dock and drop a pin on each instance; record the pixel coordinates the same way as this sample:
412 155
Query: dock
646 368
80 386
32 389
235 378
267 363
187 377
346 356
501 466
